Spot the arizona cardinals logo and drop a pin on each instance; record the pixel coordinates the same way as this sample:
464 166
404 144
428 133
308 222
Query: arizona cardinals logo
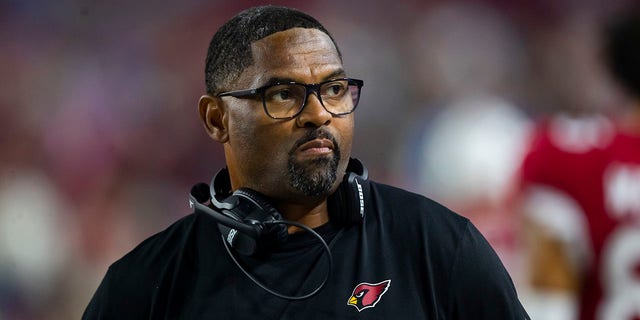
367 295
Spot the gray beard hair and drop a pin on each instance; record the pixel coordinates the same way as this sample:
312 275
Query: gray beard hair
317 177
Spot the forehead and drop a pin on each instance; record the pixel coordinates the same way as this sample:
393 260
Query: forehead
298 54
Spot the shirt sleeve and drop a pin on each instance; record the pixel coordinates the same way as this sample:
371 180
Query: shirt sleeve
481 288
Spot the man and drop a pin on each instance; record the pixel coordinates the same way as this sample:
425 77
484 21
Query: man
581 182
280 102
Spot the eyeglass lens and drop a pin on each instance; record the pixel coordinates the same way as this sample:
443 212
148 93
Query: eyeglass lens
338 97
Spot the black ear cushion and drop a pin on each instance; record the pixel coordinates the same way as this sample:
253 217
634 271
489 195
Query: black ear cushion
280 230
220 184
344 204
356 167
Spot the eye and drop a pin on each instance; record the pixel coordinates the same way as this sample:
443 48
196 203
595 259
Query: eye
334 89
279 95
284 94
361 293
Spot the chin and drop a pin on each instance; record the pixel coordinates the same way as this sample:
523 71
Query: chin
314 178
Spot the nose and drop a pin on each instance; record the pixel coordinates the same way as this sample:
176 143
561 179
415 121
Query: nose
313 114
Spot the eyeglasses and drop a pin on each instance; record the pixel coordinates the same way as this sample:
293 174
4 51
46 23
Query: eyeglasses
285 100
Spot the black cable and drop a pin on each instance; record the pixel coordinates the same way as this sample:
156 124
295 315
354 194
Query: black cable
273 292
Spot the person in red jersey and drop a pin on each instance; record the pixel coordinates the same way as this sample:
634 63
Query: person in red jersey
581 193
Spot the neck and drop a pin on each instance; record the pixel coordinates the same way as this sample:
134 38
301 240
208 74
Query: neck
311 216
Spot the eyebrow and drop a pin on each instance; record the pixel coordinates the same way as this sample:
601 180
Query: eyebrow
274 80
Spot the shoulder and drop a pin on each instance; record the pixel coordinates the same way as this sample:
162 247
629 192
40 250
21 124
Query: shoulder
158 247
154 253
409 217
565 147
397 205
132 280
578 134
389 195
571 136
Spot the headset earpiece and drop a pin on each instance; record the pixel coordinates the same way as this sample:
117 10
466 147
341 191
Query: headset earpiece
347 205
248 208
264 212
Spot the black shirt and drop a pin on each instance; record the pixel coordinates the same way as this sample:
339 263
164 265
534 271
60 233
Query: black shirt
411 258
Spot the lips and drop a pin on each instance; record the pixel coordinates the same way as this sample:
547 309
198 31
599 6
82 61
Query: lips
316 143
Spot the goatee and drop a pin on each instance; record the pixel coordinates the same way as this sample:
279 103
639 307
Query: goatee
315 177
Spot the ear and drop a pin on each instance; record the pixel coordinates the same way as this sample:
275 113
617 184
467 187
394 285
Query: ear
214 117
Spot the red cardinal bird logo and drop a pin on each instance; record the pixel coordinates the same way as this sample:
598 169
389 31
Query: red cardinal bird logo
367 295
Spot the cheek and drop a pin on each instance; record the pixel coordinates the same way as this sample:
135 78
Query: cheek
254 137
346 132
241 129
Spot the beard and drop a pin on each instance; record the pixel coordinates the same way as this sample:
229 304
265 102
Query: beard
315 177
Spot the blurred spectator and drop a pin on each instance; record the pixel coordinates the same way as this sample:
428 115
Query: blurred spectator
35 244
581 196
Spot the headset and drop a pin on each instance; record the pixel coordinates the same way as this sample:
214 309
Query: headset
249 224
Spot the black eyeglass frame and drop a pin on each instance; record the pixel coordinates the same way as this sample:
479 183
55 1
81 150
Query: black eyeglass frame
309 88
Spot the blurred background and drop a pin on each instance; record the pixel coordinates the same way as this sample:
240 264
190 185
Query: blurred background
100 140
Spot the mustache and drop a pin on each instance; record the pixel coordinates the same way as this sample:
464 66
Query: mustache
315 134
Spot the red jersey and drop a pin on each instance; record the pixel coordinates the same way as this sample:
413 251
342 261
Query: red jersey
598 167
